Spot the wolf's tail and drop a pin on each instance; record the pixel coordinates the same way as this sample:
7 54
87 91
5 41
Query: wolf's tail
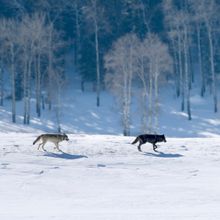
135 141
38 138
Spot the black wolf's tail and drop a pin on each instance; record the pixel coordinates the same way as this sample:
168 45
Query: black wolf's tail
38 138
135 141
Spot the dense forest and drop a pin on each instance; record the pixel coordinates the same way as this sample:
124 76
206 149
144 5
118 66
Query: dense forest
118 45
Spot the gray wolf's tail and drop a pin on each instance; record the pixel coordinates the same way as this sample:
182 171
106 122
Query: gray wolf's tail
135 141
38 138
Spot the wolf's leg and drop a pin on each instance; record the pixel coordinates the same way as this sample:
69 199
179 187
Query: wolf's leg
154 147
39 146
57 146
139 146
43 146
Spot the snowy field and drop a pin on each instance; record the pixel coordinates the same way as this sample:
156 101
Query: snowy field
100 175
104 177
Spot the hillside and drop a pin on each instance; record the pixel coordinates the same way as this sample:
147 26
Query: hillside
79 114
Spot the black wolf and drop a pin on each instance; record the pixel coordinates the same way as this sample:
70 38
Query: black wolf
151 138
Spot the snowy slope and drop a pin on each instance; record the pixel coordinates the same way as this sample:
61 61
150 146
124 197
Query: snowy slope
79 114
104 177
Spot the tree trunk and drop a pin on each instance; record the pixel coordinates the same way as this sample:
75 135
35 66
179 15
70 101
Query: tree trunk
203 87
176 68
187 72
29 90
25 90
38 84
181 74
50 57
214 90
1 85
127 79
150 111
58 109
77 42
156 114
144 97
97 65
13 83
125 107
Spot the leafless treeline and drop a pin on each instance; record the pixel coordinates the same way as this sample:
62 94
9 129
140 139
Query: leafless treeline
28 53
147 61
192 30
116 39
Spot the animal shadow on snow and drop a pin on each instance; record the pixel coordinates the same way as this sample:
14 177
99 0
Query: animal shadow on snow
64 155
163 155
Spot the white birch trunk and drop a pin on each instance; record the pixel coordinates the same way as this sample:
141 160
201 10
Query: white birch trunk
13 83
176 67
213 74
38 84
150 111
77 42
25 90
156 105
127 80
50 57
125 121
126 106
58 109
29 90
181 73
187 78
97 64
203 87
144 97
1 84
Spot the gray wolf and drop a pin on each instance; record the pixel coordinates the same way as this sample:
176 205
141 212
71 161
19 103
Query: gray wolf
54 138
151 138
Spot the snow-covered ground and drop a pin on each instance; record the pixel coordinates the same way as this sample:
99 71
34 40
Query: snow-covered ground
100 175
104 177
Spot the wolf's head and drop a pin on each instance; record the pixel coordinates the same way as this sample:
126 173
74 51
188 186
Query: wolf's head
164 139
65 137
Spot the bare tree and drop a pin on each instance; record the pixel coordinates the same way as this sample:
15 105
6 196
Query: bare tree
154 62
179 30
3 30
54 44
1 82
12 48
199 26
120 63
186 62
58 85
33 35
94 14
144 76
40 51
175 33
207 12
75 6
27 42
